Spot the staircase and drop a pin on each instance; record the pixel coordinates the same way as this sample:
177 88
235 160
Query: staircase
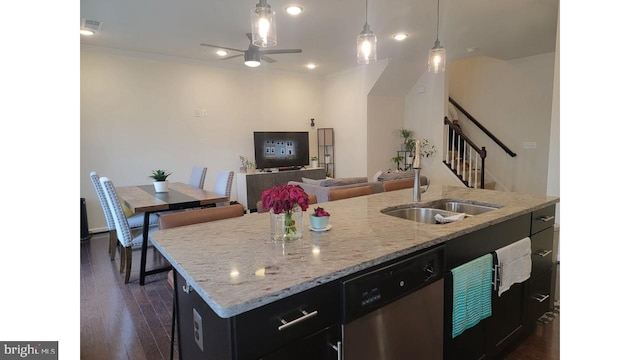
463 157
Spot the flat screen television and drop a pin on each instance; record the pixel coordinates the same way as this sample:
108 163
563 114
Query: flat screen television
281 149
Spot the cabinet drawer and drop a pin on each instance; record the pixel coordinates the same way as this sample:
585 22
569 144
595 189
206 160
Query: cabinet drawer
542 219
541 252
272 326
539 298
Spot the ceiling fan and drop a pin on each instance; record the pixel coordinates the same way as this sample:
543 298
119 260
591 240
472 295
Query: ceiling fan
254 54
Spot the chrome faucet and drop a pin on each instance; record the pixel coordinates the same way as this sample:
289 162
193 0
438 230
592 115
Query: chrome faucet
417 165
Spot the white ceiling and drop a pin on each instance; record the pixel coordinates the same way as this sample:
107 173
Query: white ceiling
326 30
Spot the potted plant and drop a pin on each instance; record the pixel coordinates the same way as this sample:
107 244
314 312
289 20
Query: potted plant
406 134
247 166
314 161
397 159
160 176
319 219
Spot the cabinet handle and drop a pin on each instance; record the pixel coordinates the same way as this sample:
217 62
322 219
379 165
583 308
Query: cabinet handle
547 218
338 348
540 297
187 288
543 253
305 316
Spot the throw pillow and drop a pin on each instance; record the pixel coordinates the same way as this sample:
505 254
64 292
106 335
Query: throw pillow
311 181
397 175
343 181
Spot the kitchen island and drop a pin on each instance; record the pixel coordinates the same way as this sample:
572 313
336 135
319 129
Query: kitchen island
235 268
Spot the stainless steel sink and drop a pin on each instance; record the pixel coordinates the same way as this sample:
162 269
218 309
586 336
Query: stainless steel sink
419 214
426 212
467 208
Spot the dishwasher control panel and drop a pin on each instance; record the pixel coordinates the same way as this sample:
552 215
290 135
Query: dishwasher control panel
379 286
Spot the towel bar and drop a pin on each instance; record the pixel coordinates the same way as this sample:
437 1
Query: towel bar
497 270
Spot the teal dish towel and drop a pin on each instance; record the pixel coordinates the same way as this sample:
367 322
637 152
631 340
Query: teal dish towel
471 293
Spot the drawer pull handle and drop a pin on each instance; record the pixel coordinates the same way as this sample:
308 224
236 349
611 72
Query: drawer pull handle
305 316
338 348
547 218
543 253
540 297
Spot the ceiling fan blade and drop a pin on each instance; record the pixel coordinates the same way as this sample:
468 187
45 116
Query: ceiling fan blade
221 47
231 57
267 59
281 51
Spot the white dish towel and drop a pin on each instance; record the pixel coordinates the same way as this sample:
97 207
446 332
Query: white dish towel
515 263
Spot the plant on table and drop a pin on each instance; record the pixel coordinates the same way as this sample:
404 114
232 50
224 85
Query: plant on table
159 175
246 164
320 218
285 199
397 159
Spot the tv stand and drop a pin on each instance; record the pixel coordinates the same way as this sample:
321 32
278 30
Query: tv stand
251 186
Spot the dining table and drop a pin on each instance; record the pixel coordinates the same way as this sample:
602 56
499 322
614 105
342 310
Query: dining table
145 199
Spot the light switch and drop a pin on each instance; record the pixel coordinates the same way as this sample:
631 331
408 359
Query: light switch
529 145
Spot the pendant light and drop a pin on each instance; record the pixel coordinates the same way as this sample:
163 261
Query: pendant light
437 55
367 41
263 25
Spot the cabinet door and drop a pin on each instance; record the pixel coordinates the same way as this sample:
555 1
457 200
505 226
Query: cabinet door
506 324
201 333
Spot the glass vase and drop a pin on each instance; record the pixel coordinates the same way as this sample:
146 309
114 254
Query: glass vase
288 225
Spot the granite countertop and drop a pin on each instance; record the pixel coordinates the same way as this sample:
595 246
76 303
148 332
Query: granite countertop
235 266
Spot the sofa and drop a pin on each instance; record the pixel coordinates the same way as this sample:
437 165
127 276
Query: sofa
321 188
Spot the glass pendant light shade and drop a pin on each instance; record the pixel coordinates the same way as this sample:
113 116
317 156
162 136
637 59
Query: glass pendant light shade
367 41
263 25
437 55
367 46
437 58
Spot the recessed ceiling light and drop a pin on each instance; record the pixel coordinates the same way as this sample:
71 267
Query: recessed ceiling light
311 66
221 53
472 49
293 9
86 32
400 36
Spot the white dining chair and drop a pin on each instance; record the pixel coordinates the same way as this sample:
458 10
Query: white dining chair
135 220
223 185
128 238
198 174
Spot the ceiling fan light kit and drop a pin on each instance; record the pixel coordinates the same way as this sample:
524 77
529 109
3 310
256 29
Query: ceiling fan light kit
366 42
437 55
263 25
254 55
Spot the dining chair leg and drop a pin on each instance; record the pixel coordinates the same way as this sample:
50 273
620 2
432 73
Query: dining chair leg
113 239
122 259
127 263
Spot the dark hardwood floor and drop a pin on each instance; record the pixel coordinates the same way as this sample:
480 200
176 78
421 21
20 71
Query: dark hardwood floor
129 321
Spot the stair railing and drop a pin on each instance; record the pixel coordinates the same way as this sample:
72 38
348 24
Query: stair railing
487 132
463 157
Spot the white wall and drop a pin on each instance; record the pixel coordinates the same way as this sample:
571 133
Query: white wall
513 100
385 118
345 110
137 114
424 113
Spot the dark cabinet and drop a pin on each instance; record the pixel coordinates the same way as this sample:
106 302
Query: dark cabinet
539 298
506 323
301 326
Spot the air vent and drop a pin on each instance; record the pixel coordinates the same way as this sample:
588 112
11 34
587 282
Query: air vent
94 25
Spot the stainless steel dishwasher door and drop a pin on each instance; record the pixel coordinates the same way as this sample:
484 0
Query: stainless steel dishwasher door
406 329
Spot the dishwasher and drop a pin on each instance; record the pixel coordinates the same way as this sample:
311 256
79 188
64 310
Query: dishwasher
395 311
